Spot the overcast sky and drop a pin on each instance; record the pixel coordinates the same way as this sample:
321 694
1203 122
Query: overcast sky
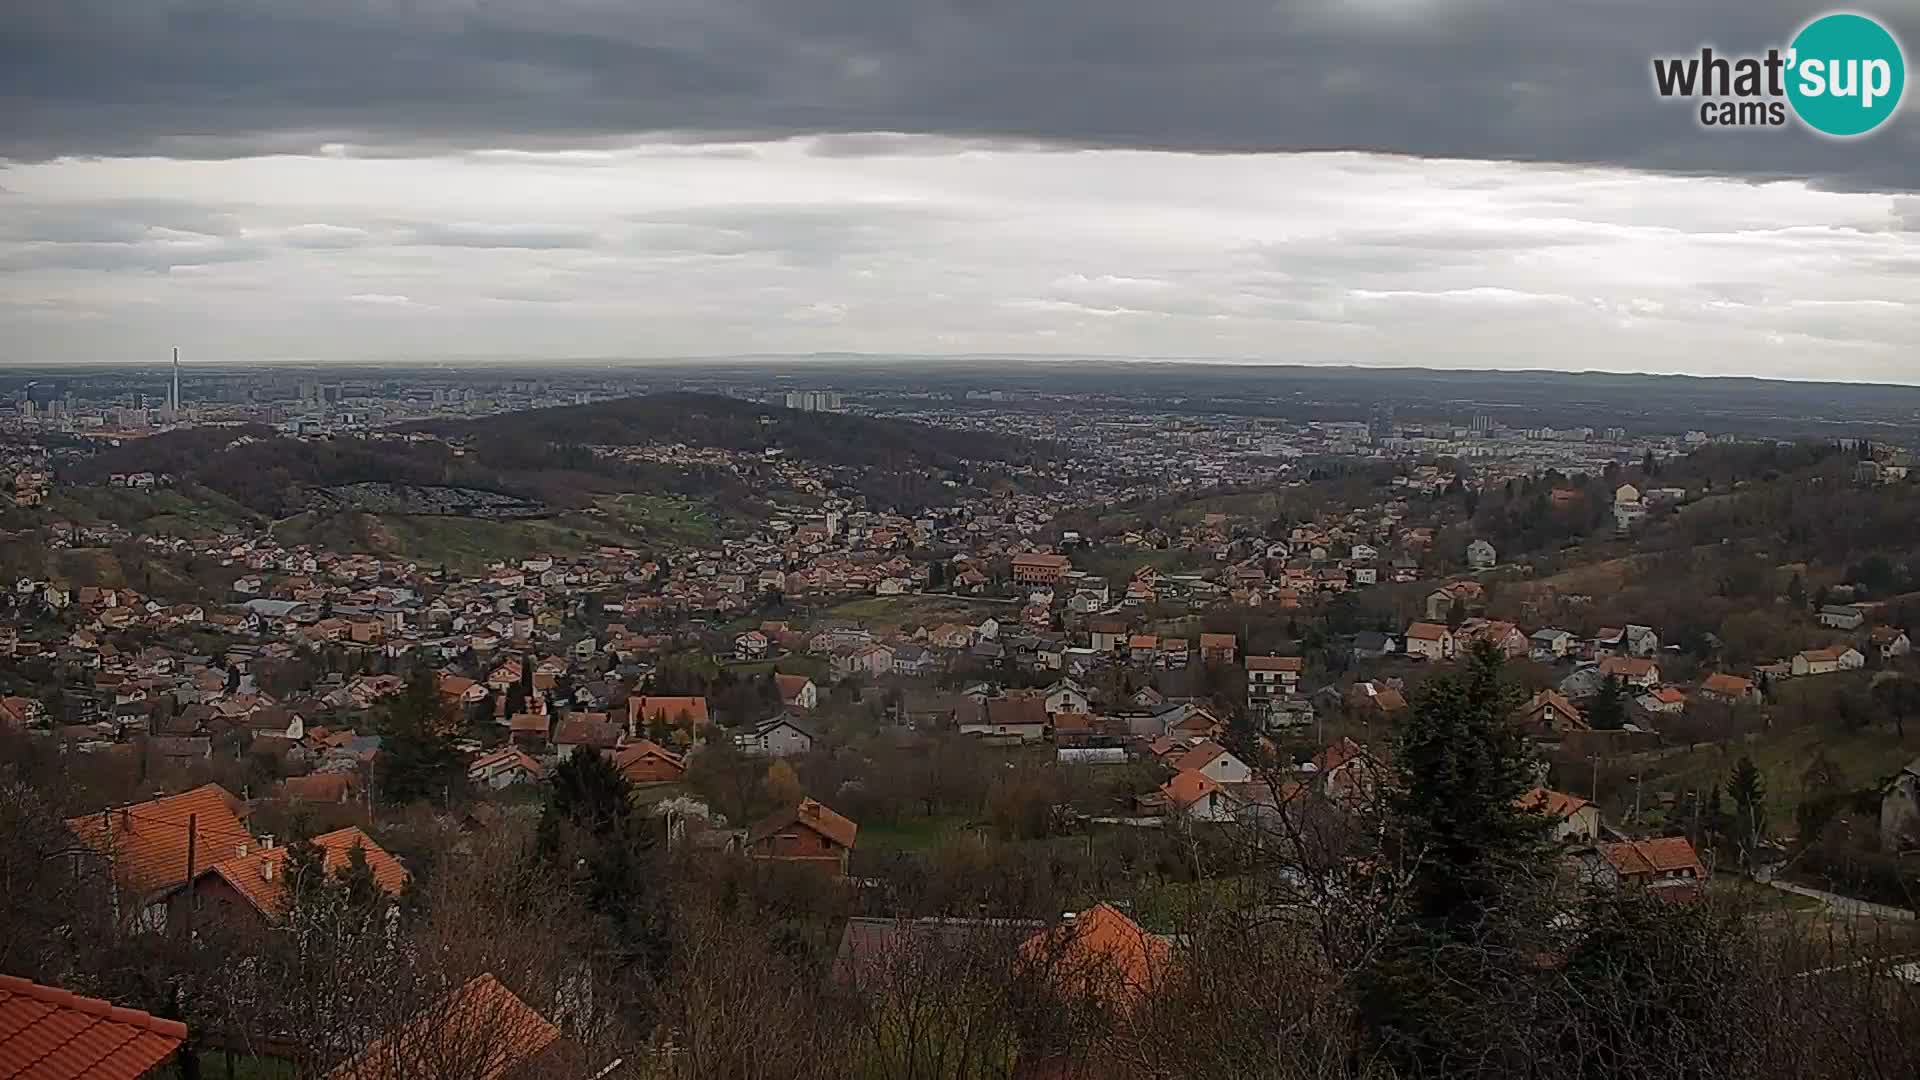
1451 183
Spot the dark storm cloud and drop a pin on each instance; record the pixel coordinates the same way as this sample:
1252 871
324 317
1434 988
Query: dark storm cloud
1550 80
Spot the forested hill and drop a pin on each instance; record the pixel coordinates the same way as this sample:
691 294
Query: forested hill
708 420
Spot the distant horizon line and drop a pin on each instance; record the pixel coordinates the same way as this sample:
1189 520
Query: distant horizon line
899 358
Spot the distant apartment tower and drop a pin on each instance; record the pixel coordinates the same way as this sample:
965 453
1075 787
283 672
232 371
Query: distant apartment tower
814 400
1616 434
173 389
1380 423
1481 424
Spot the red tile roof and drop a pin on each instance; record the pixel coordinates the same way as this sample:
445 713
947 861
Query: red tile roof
1102 952
260 877
1274 663
642 709
50 1034
149 839
483 1025
1555 804
1646 858
1189 786
811 814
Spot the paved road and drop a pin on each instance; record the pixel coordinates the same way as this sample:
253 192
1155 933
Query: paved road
1846 905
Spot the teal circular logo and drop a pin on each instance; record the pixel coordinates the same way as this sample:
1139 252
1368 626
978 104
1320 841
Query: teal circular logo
1845 74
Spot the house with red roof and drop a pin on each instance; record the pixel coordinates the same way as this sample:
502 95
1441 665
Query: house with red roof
152 848
255 884
1574 818
1668 865
806 832
481 1029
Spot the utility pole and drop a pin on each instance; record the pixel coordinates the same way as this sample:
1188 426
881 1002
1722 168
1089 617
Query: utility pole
193 835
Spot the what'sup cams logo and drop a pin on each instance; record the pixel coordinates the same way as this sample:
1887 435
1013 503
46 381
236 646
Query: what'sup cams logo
1843 75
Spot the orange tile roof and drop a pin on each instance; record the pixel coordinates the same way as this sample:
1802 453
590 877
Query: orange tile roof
1101 951
811 814
1658 856
1200 756
1189 786
1632 667
1338 754
641 709
1727 685
1555 804
50 1034
260 877
1274 663
149 839
790 686
482 1025
1426 631
642 749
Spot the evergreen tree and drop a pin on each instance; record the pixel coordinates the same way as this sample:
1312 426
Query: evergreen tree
417 760
1476 859
1609 709
589 792
1797 592
1749 795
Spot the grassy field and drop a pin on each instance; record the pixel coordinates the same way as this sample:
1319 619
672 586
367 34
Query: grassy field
189 512
919 609
910 834
1863 758
1118 564
459 542
672 518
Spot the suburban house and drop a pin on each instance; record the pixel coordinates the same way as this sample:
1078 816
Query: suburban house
147 843
505 767
1271 677
1218 648
481 1022
255 884
1891 641
1640 640
1632 671
1195 794
1481 556
1574 818
1667 864
595 731
776 736
912 660
798 691
1666 700
1441 600
806 832
1107 635
1503 636
1827 661
1550 645
1729 689
647 762
1215 762
49 1032
675 712
1021 716
1103 944
1430 641
1066 696
1842 616
1550 713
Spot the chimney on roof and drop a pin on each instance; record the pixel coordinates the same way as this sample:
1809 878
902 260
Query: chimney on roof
240 850
1068 916
266 869
266 842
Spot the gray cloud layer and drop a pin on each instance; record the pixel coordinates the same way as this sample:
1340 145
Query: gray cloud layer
1529 80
